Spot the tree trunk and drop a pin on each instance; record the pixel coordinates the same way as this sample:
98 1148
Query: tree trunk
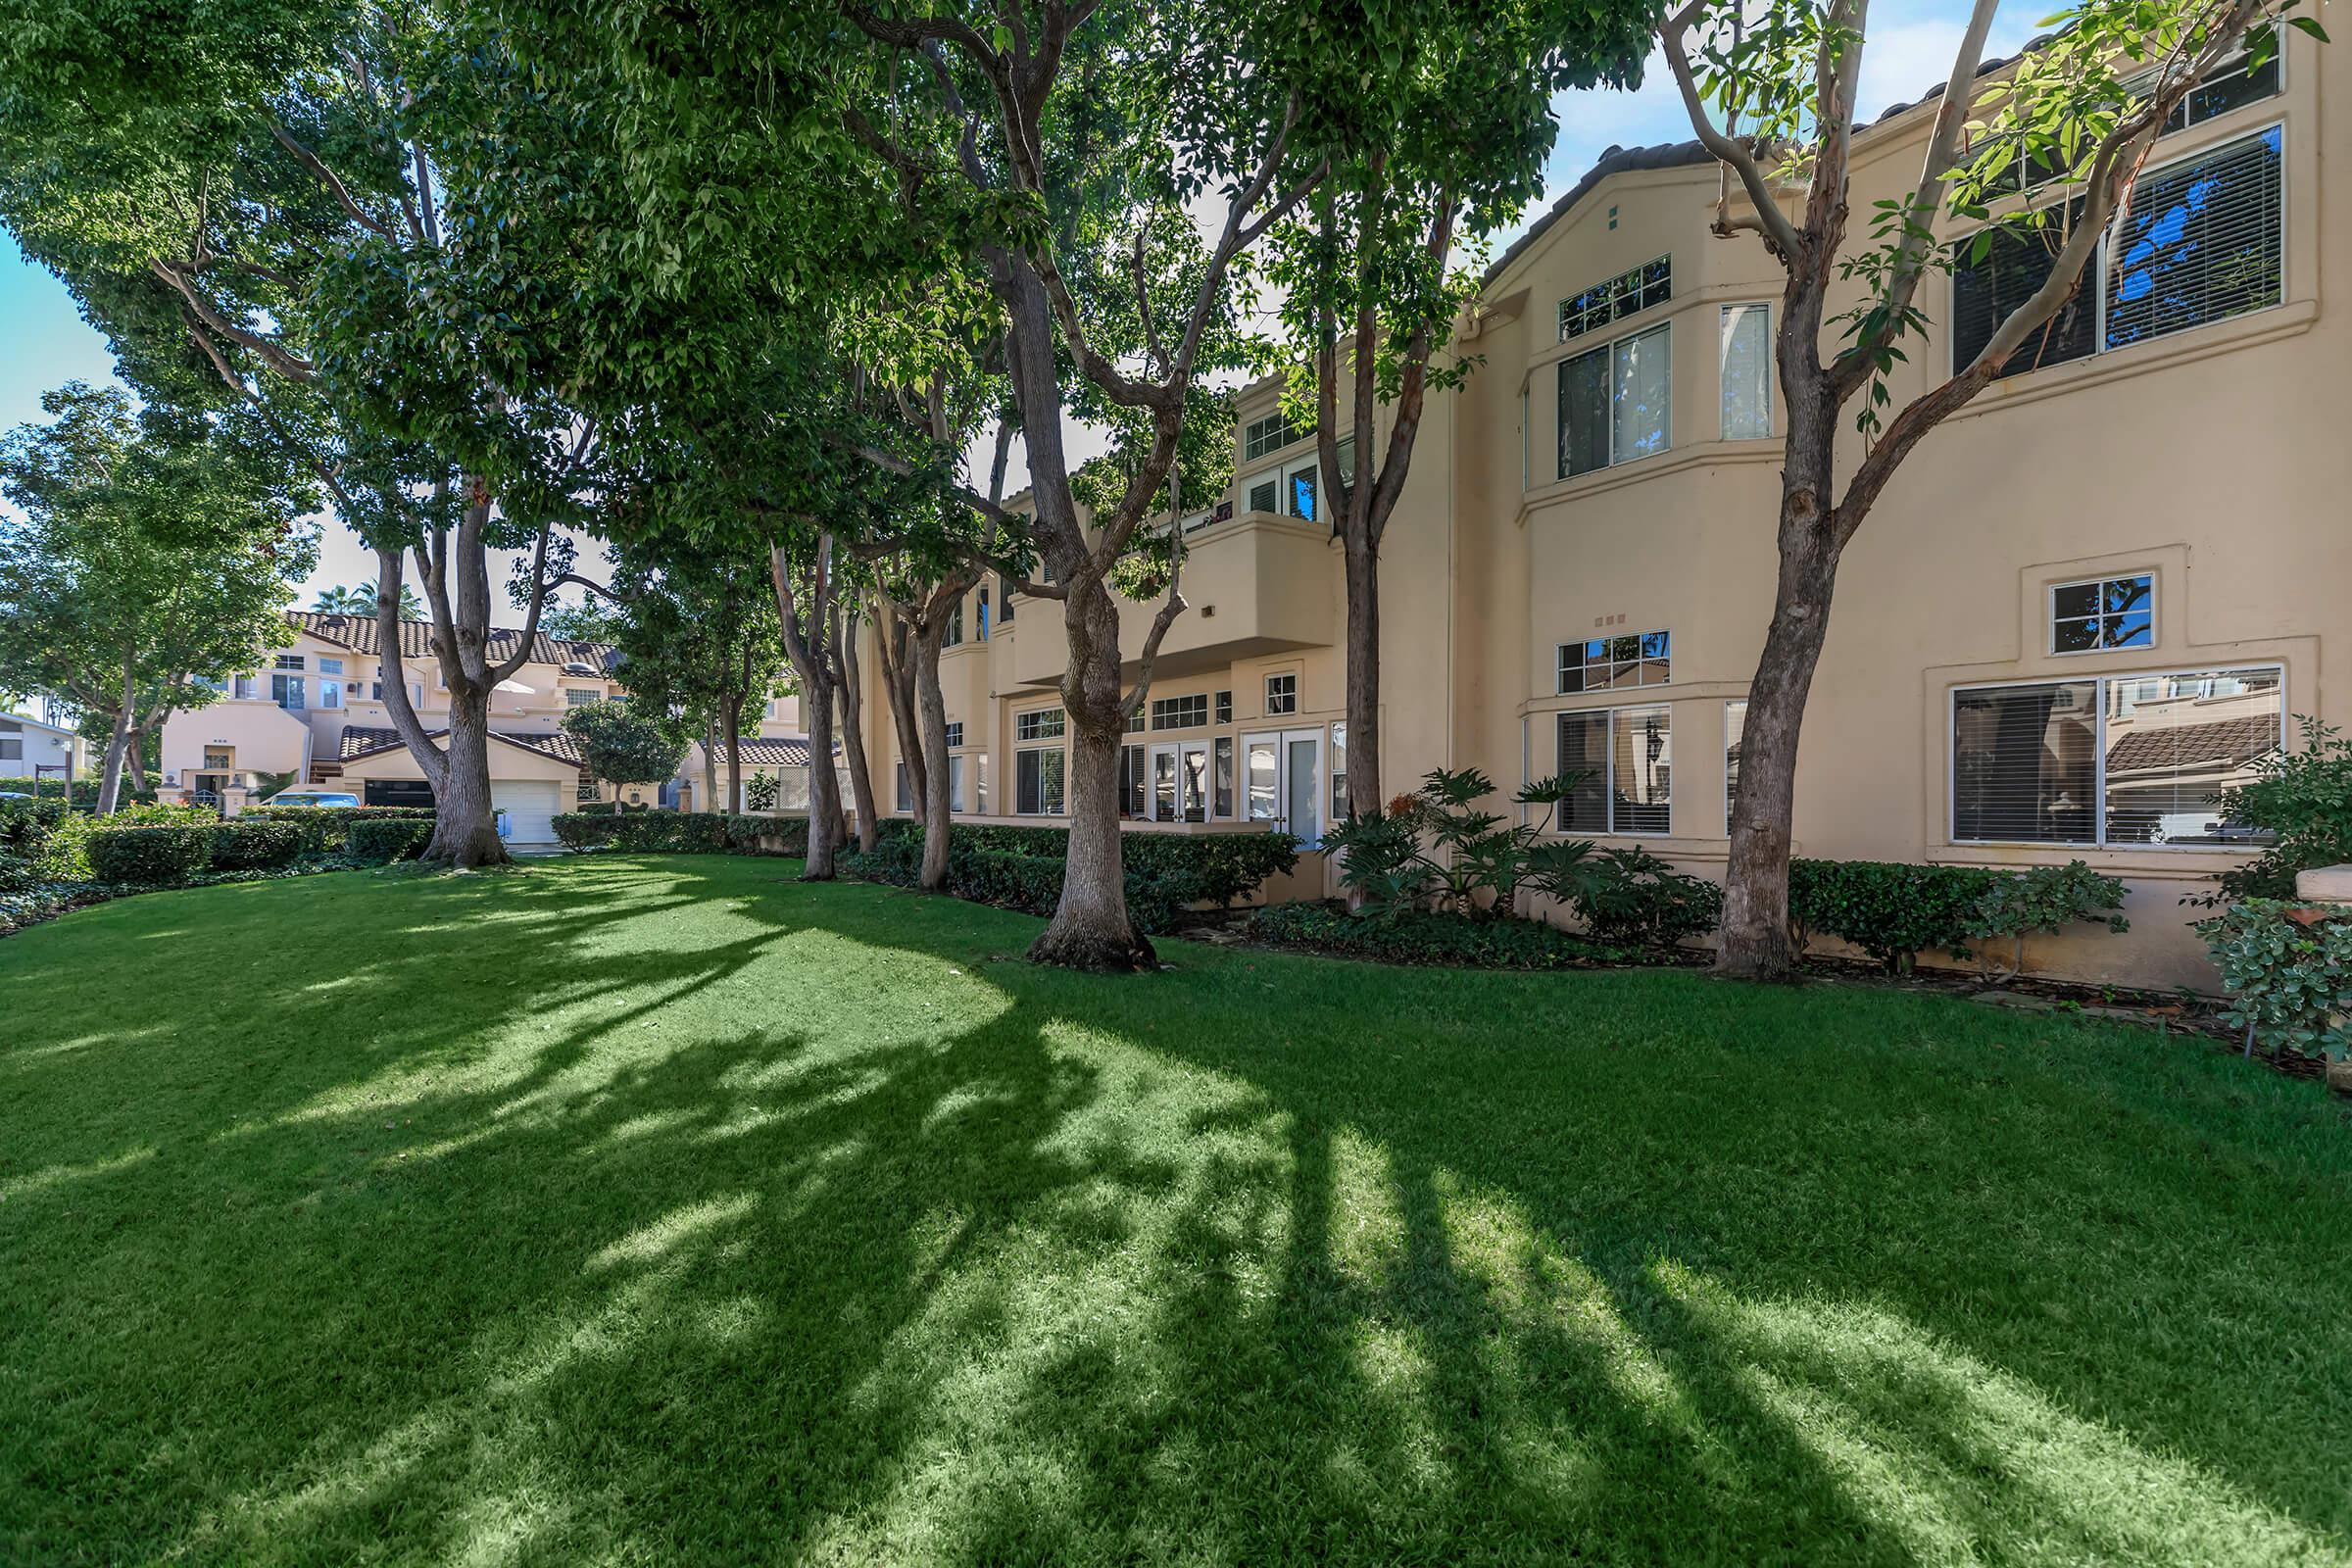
824 783
734 755
1092 928
1363 680
896 644
110 779
936 806
135 760
1755 939
852 735
709 765
465 822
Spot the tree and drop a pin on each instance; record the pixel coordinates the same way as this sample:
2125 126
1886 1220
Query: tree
145 567
1772 96
1445 141
360 600
622 743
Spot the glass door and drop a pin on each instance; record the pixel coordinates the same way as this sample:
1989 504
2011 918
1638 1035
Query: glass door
1283 773
1163 801
1191 780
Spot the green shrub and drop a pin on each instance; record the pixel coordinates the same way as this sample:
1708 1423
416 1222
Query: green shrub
1630 894
1419 936
759 791
2289 983
85 791
159 855
1190 867
326 829
2046 899
646 832
26 826
599 809
241 845
16 873
753 835
1891 910
2305 800
382 840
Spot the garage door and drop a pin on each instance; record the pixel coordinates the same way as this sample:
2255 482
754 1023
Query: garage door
530 808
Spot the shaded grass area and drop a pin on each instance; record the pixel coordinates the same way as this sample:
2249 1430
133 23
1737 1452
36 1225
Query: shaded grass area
668 1211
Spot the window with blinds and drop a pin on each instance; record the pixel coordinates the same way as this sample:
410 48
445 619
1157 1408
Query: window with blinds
1620 762
2125 760
1995 273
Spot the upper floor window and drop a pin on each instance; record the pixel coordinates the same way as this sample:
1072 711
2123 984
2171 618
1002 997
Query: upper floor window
1281 694
581 695
2204 240
981 605
1620 763
1266 493
2123 760
2087 617
1136 723
2224 90
1617 402
1634 290
1038 724
1004 602
954 735
1224 707
1269 434
330 666
288 662
286 692
244 686
1747 362
1180 713
1606 663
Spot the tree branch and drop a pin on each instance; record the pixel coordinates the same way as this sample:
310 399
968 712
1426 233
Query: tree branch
334 184
1771 222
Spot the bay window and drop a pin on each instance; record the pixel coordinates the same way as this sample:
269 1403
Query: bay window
1620 762
1616 401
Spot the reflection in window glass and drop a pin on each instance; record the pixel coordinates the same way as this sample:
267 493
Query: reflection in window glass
2111 613
1621 765
2202 242
1632 659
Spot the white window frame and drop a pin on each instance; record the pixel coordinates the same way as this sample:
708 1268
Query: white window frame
287 665
1739 703
2096 270
1040 740
2099 708
1291 711
955 734
1252 448
1561 650
1664 332
1608 776
1272 477
1560 312
1165 714
2050 617
581 695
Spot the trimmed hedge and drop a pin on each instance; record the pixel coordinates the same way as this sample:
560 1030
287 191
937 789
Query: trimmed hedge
85 790
1422 937
153 856
683 833
326 829
1891 910
1188 868
239 846
26 825
380 841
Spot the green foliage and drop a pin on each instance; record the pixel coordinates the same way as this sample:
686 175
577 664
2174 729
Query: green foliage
2289 982
2304 797
621 744
358 599
1419 936
1891 910
84 794
242 845
26 825
326 829
159 854
380 841
65 857
759 791
1020 867
683 833
2046 899
1381 862
1630 894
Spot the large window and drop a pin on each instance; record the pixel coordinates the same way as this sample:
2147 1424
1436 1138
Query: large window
1608 663
1224 750
1635 289
1180 713
286 692
1266 493
1036 772
1620 762
1616 401
2108 613
1269 434
2204 240
2122 760
1745 356
1131 781
1735 729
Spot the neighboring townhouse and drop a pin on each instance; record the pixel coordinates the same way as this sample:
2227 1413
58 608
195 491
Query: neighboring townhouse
38 749
2087 604
316 712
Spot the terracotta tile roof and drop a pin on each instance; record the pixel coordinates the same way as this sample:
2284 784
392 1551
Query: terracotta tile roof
357 634
2222 740
368 740
780 751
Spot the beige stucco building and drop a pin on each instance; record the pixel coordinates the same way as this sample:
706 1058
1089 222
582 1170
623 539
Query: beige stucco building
2090 600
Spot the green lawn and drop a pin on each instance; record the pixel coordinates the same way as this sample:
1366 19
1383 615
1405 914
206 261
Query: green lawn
672 1211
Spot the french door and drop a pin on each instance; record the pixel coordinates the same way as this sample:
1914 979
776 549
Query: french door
1282 781
1179 788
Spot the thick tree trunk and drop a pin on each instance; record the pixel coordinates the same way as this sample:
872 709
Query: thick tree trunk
711 764
135 760
464 821
1363 680
1755 939
896 646
852 735
1092 928
934 802
118 746
824 785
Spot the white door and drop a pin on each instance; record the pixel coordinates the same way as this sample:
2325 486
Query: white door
1163 804
530 804
1282 774
1192 781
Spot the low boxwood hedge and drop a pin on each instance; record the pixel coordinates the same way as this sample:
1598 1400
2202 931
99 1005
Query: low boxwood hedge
1891 911
683 833
1422 937
155 856
380 841
326 829
242 845
1187 868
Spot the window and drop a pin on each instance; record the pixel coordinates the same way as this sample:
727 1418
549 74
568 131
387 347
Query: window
330 694
1735 727
2222 91
1037 783
954 632
1264 492
1620 762
1638 289
1616 402
1224 750
955 734
218 760
1746 364
286 692
1038 724
1136 723
1608 663
1131 781
982 602
1281 694
12 748
585 790
1180 713
956 799
330 666
2128 760
1005 602
1339 771
1346 457
1269 434
246 687
1224 707
581 695
2088 618
2204 240
905 789
1298 490
288 662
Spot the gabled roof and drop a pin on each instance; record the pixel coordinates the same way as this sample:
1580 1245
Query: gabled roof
357 634
369 740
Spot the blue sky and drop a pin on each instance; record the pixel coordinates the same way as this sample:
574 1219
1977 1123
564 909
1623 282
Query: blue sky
46 343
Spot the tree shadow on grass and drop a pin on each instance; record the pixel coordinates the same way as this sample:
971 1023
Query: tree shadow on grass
717 1217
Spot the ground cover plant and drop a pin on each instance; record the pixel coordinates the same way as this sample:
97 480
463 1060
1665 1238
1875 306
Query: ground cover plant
710 1216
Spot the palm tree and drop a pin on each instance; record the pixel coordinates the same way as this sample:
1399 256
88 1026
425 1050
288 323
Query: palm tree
360 600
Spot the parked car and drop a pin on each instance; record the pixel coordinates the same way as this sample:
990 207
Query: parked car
312 797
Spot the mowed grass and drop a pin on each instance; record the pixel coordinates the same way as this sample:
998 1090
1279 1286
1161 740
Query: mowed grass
669 1211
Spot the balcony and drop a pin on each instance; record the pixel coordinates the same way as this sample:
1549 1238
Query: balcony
1255 584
